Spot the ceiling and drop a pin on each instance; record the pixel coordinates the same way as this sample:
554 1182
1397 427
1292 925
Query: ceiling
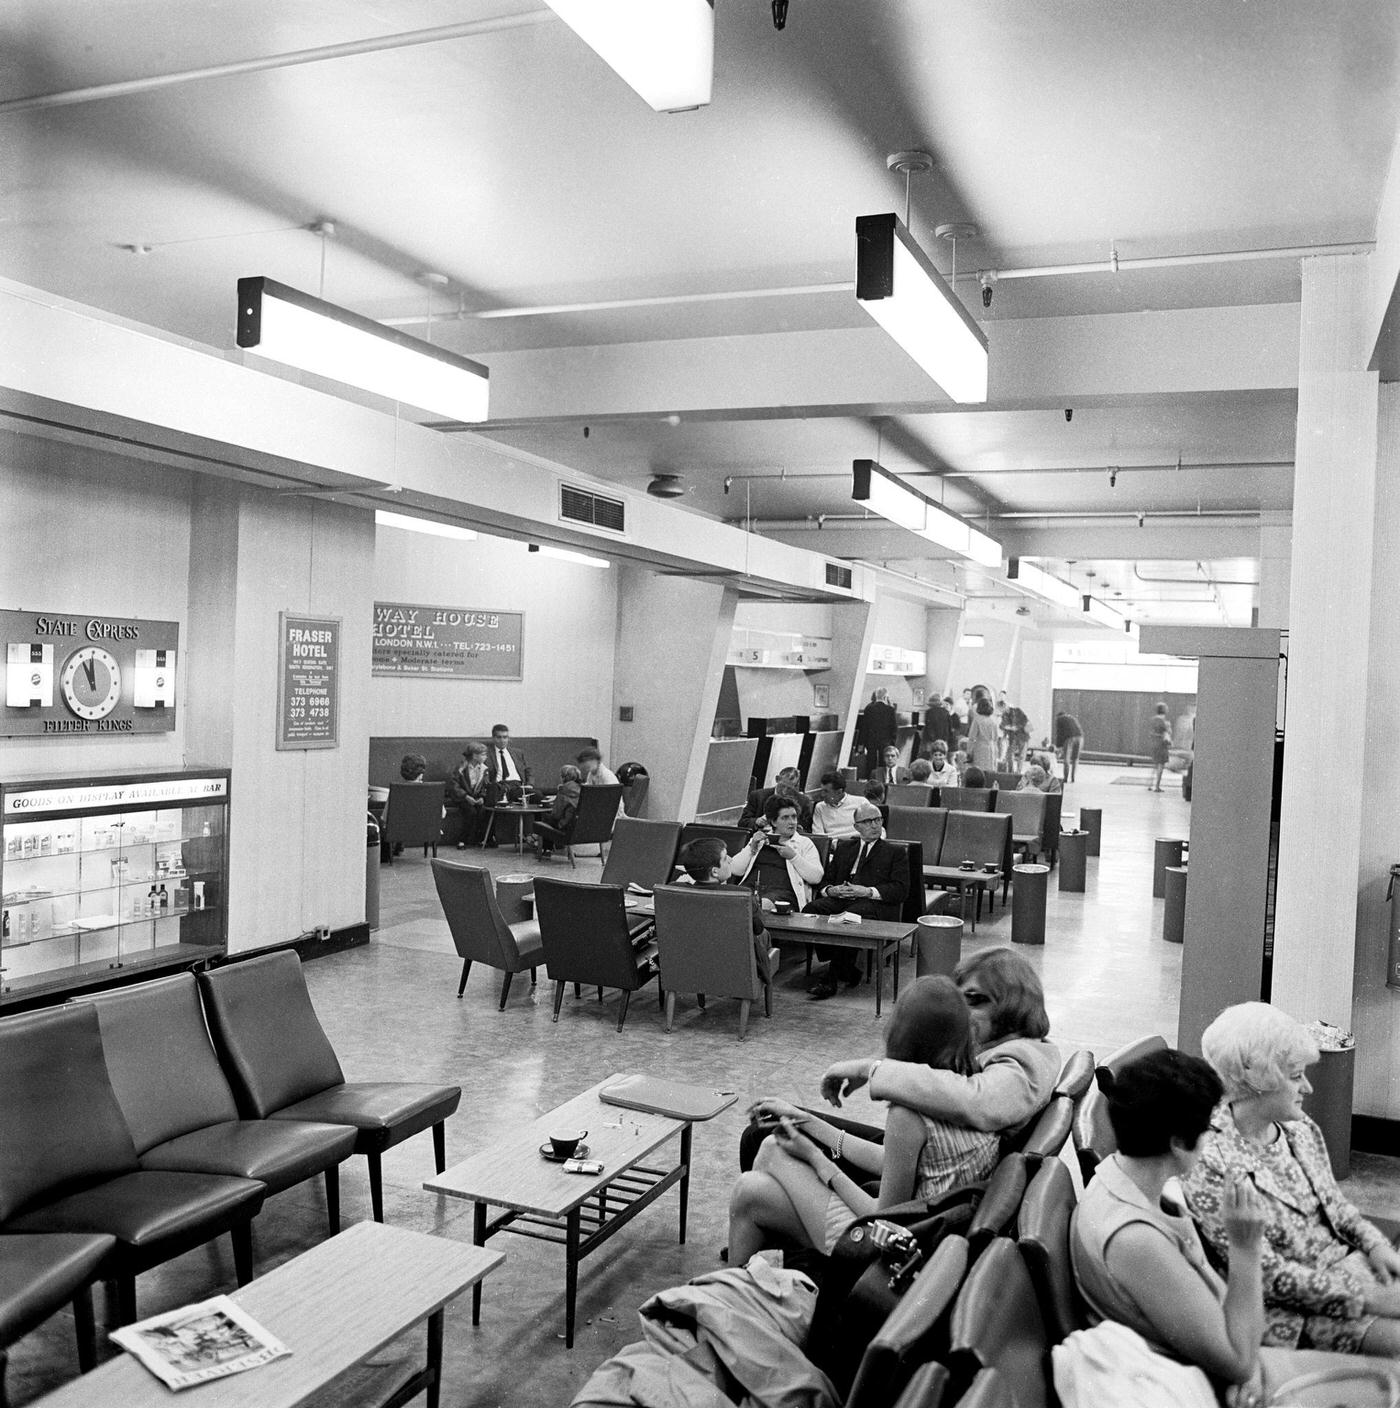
515 163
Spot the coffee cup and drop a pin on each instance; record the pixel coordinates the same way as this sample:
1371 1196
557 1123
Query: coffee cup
967 865
782 906
990 867
564 1145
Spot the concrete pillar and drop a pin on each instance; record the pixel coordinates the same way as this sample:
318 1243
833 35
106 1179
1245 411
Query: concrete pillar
943 627
1336 520
1275 566
852 636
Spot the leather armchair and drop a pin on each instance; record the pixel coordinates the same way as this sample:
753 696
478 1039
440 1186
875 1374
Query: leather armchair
595 817
479 929
281 1066
68 1163
414 815
997 1325
1042 1232
179 1105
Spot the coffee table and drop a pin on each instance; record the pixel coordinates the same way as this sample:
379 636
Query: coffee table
333 1306
977 880
579 1211
518 810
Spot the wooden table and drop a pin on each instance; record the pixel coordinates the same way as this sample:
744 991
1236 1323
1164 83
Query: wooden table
518 810
577 1210
872 936
333 1307
978 880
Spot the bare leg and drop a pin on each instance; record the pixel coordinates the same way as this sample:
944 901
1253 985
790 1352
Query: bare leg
759 1211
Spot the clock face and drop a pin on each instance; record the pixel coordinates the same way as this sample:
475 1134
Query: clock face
91 682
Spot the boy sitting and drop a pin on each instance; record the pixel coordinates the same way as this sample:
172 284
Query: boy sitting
558 826
707 863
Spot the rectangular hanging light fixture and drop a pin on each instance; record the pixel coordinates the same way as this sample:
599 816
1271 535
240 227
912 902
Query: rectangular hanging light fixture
584 559
663 49
1103 615
898 286
1038 582
383 518
876 488
291 327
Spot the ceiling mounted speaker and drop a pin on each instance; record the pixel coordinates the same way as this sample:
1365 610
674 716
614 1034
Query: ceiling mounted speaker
666 486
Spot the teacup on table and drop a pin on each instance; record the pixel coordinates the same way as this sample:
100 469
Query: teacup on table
991 867
967 865
782 906
565 1145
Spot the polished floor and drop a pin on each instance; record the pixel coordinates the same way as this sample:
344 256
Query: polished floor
391 1011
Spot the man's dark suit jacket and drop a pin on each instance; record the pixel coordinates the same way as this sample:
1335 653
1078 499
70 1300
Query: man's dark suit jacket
879 725
753 810
938 724
493 779
886 870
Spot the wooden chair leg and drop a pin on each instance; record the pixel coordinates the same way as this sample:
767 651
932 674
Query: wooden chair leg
600 994
670 1010
558 997
333 1199
440 1146
622 1015
84 1325
700 1000
505 990
466 968
534 982
578 990
376 1185
768 997
241 1235
744 1005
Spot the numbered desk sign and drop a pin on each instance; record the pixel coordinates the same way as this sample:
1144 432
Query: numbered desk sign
308 681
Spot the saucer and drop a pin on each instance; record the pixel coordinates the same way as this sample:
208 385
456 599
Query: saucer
547 1152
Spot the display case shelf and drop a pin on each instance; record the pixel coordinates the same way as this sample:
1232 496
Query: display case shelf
82 862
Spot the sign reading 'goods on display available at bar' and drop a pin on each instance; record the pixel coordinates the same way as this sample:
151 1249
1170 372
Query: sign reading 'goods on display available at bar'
447 642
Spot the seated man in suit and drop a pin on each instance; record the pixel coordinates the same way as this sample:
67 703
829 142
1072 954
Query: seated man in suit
865 875
507 772
788 784
889 770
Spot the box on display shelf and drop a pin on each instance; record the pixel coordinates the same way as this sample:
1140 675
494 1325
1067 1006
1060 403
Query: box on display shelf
107 873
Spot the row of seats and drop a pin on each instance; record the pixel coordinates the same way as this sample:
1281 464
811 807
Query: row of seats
144 1121
1036 817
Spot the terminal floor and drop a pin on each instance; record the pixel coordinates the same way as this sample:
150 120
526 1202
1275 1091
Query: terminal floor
391 1011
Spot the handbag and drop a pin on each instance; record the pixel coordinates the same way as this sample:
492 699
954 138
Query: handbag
1360 1383
871 1266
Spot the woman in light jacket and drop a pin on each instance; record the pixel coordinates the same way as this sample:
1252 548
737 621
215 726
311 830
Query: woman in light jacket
983 735
779 833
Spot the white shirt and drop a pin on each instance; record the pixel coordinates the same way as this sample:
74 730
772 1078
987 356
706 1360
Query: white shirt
943 777
839 820
505 766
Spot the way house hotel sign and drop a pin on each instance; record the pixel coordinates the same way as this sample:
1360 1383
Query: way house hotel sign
447 642
72 673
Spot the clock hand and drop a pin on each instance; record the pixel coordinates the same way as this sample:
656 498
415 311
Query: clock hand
90 670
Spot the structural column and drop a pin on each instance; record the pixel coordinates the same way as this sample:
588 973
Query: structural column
1330 650
1275 567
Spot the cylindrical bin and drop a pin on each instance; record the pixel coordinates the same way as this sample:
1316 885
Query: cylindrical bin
1330 1104
1174 911
1073 845
1091 820
371 871
510 897
1028 886
1166 850
940 945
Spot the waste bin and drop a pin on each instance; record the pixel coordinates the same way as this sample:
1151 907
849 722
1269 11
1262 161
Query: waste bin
1073 846
940 945
1329 1101
510 897
371 871
1174 911
1028 886
1091 820
1166 850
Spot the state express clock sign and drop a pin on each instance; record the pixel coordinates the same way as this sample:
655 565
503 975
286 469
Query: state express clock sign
72 673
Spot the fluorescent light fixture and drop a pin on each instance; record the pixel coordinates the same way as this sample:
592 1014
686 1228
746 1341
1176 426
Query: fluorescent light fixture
972 642
898 286
1103 615
384 519
1039 583
877 489
291 327
664 49
568 555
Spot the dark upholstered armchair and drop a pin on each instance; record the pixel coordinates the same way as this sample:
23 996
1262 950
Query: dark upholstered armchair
642 852
281 1066
586 939
414 815
179 1105
479 929
68 1164
597 812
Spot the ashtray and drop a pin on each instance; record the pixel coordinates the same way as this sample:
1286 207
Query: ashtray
547 1153
966 865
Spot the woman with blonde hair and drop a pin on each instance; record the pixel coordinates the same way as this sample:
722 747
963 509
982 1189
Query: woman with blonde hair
1330 1277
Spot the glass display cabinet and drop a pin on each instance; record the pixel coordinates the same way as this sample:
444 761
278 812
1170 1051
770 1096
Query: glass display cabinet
106 873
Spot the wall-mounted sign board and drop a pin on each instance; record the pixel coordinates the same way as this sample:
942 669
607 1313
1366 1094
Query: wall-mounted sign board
447 642
894 660
308 681
778 650
72 673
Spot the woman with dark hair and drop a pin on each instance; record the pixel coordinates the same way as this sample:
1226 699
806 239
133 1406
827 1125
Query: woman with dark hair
983 734
1017 1065
1138 1261
1159 736
797 1190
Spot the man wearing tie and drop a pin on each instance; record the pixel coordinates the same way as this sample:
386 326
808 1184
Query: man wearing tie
889 771
504 766
865 875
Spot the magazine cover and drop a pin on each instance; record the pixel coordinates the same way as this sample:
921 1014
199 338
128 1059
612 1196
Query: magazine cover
199 1342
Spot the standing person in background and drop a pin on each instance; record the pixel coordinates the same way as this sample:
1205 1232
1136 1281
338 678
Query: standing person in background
1159 736
983 736
879 725
1016 731
962 712
1068 738
938 724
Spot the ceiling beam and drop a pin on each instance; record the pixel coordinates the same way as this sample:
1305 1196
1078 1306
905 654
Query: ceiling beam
1035 363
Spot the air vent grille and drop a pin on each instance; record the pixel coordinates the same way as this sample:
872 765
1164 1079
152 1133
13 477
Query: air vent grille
584 506
837 576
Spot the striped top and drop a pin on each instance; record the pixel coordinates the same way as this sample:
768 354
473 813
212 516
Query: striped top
953 1155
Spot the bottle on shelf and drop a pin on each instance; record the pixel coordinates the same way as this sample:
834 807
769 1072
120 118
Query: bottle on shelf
164 901
152 901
